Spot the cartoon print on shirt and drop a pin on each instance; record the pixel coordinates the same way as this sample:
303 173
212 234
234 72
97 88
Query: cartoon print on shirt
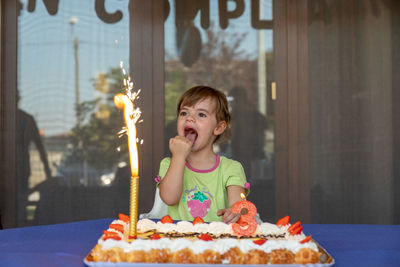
198 201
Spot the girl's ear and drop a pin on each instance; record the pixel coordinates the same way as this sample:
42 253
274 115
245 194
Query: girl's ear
220 128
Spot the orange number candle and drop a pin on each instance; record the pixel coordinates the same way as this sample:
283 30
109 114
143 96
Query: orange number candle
131 116
247 224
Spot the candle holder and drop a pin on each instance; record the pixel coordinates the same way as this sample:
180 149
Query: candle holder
133 207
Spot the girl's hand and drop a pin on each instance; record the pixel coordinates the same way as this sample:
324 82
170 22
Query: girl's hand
180 146
228 216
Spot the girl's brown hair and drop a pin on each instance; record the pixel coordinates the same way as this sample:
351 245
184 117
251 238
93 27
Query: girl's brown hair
201 92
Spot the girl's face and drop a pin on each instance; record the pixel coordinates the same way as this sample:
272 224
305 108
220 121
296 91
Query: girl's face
198 124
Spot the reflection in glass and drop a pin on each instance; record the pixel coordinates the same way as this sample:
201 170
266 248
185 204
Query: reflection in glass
69 55
353 63
27 134
227 47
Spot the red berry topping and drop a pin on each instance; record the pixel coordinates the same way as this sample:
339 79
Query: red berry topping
259 241
155 237
108 235
205 237
117 226
294 226
167 219
296 231
123 217
112 237
283 221
197 220
305 240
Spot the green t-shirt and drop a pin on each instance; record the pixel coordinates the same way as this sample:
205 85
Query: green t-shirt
205 191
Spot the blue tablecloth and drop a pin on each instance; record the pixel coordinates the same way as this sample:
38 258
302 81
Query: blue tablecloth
68 244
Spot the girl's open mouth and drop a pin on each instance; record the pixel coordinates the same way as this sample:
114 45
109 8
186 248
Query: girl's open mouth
191 134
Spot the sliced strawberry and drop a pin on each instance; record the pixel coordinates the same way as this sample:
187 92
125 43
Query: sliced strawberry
108 233
155 237
167 219
296 231
205 237
293 226
305 240
197 220
259 241
123 217
112 237
117 226
283 221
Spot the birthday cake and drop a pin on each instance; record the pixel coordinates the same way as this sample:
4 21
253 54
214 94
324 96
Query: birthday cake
206 243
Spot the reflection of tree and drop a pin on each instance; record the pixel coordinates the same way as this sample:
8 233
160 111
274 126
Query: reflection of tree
222 64
95 139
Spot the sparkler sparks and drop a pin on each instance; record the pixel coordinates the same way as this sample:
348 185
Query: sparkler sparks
134 114
131 116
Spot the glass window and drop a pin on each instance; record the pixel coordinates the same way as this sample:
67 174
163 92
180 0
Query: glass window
336 122
353 61
228 45
69 54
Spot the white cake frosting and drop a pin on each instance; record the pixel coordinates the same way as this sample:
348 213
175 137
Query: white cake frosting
215 228
280 238
199 246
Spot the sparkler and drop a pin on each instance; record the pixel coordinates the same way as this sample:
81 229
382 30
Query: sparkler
131 116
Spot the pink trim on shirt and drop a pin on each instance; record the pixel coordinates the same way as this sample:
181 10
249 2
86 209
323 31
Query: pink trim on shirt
203 171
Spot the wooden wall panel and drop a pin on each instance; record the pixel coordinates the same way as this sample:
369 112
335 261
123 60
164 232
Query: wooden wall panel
281 110
147 71
292 184
8 106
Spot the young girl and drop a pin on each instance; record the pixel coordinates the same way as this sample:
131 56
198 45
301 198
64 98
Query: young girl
196 182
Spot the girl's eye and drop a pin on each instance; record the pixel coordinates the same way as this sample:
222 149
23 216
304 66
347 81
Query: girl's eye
182 113
202 115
